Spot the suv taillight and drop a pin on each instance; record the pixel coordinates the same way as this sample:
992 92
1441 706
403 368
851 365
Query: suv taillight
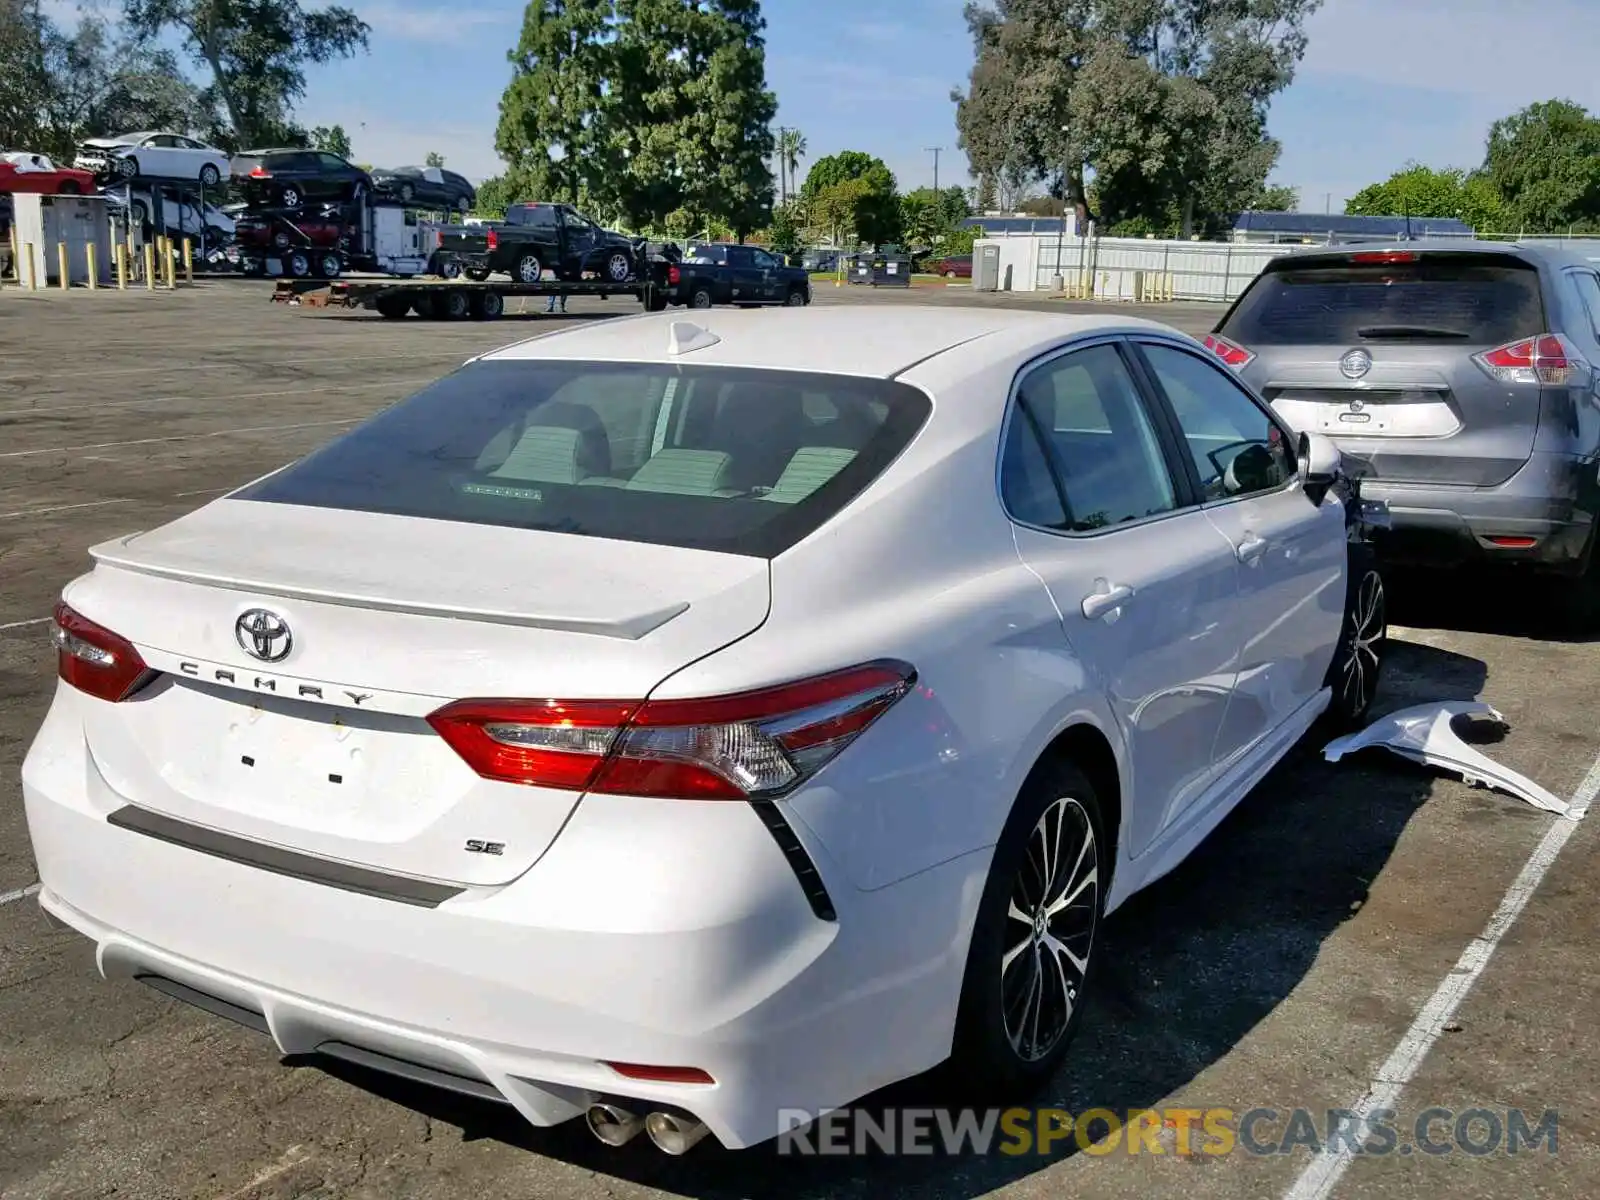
1236 357
93 659
1547 358
744 746
493 240
260 172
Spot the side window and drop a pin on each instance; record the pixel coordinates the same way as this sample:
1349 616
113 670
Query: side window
573 220
332 162
740 256
1027 487
1236 447
1099 438
763 260
1589 289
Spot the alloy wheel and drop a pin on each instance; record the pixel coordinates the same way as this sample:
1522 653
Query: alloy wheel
529 270
1050 929
1358 673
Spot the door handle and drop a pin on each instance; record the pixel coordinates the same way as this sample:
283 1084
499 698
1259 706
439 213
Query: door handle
1106 600
1251 548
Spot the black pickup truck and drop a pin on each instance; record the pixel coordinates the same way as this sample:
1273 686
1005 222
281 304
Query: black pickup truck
720 273
535 238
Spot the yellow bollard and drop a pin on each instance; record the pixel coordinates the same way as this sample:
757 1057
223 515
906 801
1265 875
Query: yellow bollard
149 267
170 264
62 266
188 261
32 281
94 273
121 255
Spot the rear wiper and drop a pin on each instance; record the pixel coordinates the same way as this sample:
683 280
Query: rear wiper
1411 331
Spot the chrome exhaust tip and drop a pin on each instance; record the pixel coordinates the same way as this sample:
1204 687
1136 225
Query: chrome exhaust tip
612 1125
673 1134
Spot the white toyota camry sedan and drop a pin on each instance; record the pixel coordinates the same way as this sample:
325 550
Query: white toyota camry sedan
671 724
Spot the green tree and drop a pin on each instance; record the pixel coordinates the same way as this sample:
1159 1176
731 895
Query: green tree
333 139
876 216
433 159
1274 197
551 112
837 208
1544 161
256 52
784 233
791 149
688 116
25 82
1414 190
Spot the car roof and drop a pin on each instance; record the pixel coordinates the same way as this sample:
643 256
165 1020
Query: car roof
1533 252
877 342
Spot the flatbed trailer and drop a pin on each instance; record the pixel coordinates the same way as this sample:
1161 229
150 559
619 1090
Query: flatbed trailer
462 299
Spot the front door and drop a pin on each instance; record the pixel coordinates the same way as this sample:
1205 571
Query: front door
1146 585
578 233
767 272
1291 551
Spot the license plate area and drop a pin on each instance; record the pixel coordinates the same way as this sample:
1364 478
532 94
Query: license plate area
1369 412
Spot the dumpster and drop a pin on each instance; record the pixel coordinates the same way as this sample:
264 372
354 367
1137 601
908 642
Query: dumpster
888 267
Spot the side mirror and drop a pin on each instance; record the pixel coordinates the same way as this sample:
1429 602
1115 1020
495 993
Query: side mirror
1321 465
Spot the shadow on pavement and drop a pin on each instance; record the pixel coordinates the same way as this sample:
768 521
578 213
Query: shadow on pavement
1188 967
1470 600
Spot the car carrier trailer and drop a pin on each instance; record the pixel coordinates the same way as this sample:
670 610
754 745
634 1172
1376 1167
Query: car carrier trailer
464 299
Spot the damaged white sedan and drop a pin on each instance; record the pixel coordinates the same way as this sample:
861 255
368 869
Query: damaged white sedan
642 723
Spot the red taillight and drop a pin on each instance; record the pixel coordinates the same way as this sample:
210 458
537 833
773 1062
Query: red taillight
260 173
1548 358
494 240
1234 356
674 276
1515 543
1386 256
661 1074
93 659
751 744
438 238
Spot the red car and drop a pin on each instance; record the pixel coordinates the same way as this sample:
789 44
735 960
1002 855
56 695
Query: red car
24 172
957 266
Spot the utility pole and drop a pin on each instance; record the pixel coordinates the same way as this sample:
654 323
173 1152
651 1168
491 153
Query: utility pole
783 186
934 150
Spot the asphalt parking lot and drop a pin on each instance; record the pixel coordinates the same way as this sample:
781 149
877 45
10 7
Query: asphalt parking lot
1284 966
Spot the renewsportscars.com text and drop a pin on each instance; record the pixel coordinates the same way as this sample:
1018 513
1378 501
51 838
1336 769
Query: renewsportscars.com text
1166 1131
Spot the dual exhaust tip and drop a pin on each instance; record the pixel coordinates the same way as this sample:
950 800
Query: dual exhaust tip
671 1133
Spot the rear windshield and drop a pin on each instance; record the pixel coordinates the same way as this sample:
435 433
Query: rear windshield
1474 299
713 458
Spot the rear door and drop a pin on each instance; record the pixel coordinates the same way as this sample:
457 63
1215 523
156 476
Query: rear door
1146 585
1375 349
1291 552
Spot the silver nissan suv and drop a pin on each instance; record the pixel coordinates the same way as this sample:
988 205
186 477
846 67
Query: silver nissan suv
1457 377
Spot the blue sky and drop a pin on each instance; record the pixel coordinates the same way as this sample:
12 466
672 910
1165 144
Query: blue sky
1384 81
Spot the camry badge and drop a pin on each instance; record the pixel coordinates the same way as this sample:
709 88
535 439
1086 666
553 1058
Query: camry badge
264 635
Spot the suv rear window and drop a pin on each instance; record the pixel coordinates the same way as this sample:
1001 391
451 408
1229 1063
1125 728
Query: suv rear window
1473 299
713 458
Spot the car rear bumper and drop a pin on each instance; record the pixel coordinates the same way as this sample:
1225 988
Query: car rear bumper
662 933
1552 500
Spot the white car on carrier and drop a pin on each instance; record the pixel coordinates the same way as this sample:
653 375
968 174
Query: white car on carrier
644 724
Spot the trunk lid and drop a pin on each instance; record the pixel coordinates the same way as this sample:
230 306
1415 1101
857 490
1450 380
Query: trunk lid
1375 349
326 751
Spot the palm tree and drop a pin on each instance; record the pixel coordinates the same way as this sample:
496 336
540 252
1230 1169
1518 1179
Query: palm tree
791 149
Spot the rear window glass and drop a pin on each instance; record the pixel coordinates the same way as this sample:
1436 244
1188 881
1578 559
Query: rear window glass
714 458
1471 299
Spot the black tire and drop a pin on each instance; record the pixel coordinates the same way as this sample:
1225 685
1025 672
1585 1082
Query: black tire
463 204
477 275
700 298
290 196
455 305
1357 666
425 305
450 269
280 240
210 176
328 265
796 298
528 269
297 264
1010 1034
488 305
655 301
393 307
619 266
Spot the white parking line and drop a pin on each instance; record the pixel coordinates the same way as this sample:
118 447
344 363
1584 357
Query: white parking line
223 366
34 512
24 624
20 893
179 437
51 410
1317 1181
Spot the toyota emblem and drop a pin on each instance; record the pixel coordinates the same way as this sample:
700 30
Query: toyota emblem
264 635
1355 364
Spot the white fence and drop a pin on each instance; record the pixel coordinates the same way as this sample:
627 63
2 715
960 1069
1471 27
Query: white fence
1127 268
